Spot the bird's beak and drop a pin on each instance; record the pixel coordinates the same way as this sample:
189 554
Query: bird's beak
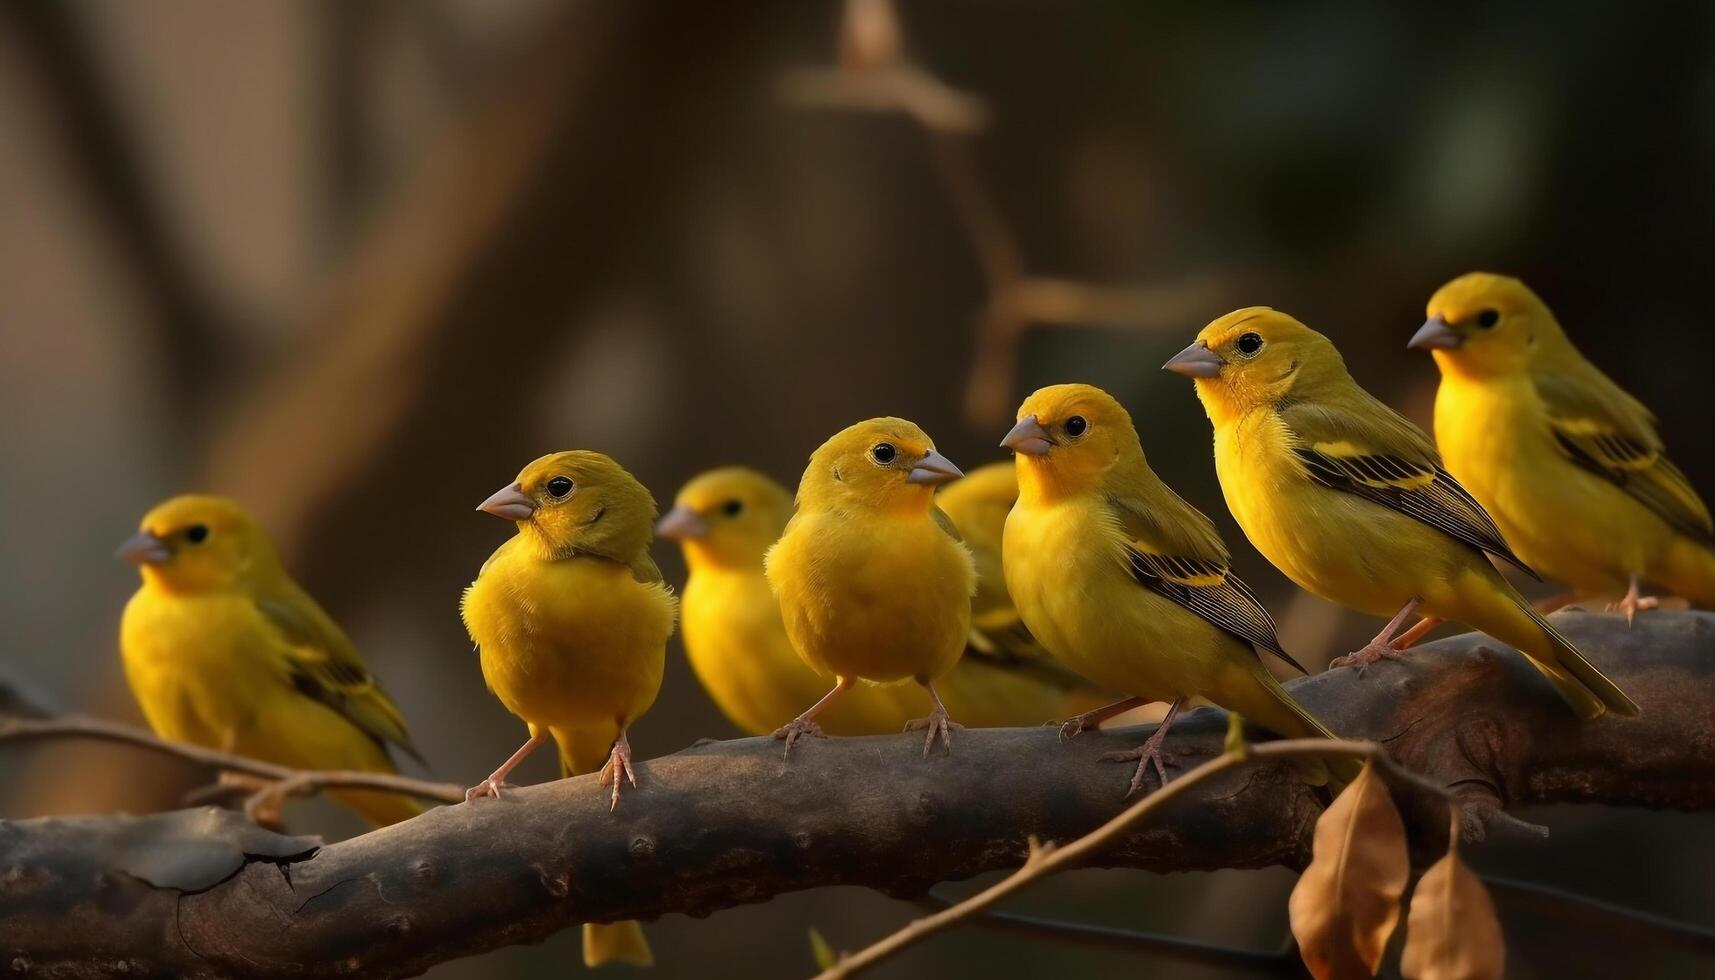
680 523
143 548
1196 361
1435 334
933 470
1028 437
509 504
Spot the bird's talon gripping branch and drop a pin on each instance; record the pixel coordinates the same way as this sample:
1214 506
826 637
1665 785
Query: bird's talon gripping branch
795 729
1633 602
938 723
618 769
1148 754
1369 656
488 787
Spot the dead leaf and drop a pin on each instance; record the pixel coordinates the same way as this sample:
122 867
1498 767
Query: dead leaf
1346 903
1453 933
192 850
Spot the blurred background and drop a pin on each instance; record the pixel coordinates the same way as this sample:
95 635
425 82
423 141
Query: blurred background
356 263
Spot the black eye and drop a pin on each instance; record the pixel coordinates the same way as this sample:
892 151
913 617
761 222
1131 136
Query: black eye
884 453
1249 344
732 508
559 486
196 533
1488 318
1076 425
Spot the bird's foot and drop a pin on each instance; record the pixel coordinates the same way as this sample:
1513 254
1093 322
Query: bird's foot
938 723
617 770
1633 604
1369 656
795 729
1078 724
1147 755
488 787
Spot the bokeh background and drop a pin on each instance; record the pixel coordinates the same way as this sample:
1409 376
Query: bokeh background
355 263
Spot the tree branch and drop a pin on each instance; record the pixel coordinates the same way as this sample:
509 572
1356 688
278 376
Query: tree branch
728 823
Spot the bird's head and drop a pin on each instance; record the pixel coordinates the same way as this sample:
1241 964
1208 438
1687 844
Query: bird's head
578 502
884 464
727 518
1484 324
1255 357
196 543
1068 438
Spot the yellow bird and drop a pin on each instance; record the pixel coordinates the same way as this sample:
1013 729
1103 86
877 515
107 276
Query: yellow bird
222 649
726 519
1568 463
1126 582
872 580
571 621
1351 501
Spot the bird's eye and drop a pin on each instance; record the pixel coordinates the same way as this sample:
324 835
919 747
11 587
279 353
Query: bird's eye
196 533
732 508
1488 318
1249 344
559 486
1076 425
884 453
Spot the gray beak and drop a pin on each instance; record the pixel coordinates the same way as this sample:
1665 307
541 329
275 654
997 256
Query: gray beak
681 523
1196 361
1435 334
509 504
1028 437
933 470
143 548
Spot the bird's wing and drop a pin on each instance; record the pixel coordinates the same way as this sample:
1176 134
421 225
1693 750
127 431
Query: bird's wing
321 664
1611 434
945 522
1379 456
644 570
1175 552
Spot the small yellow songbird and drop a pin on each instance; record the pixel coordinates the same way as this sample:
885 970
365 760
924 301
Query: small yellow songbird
1568 463
872 580
571 621
1351 501
223 649
1126 582
726 519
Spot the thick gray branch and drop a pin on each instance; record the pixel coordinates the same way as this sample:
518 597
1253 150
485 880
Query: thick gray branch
726 823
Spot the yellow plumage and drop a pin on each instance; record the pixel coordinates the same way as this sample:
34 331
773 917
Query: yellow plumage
1350 500
571 621
223 649
726 519
872 581
1569 464
1126 582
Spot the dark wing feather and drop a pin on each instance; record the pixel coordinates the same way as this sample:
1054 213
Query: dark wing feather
1213 592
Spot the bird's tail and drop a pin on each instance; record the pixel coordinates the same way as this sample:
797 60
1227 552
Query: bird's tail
1589 692
617 942
1688 570
380 809
1270 706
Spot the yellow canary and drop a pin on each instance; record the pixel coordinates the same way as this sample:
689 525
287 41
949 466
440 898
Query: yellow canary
1126 582
1568 463
872 580
571 621
726 519
222 649
1351 501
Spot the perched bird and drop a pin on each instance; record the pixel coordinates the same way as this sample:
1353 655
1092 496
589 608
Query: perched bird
872 580
1568 463
571 621
726 519
1126 582
1351 501
222 649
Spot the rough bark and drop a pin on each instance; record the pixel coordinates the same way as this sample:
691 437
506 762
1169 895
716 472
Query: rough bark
726 823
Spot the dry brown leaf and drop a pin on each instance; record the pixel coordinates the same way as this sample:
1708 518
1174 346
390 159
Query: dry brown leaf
1453 933
1346 903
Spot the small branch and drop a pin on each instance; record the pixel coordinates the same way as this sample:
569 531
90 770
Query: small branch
283 781
1044 860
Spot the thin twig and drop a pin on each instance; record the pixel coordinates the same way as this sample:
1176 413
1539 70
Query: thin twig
285 780
1046 859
